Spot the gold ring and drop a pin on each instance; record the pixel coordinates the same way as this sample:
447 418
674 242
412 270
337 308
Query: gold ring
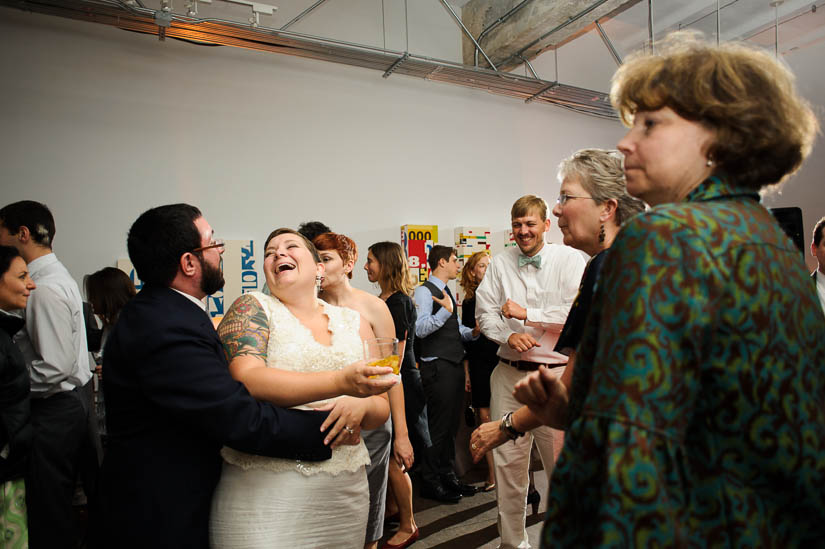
473 446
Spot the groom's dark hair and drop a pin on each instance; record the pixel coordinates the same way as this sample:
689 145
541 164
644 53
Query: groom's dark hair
159 237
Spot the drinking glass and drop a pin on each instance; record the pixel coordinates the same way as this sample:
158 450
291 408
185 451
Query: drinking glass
383 351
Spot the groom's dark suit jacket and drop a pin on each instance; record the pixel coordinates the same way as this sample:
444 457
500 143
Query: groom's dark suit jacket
171 405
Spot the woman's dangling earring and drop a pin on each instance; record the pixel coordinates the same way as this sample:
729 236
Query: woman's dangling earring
709 163
601 234
318 280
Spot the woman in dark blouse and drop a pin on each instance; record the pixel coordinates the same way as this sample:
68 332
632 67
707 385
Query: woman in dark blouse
482 354
15 430
591 207
386 266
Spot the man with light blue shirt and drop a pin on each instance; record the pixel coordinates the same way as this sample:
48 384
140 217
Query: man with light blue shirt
53 343
440 335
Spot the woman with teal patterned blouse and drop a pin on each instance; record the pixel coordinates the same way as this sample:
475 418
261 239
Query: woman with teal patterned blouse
696 413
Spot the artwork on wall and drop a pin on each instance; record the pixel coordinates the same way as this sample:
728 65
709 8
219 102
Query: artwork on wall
501 240
240 261
469 240
417 241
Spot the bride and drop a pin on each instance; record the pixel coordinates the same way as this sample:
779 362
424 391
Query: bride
292 349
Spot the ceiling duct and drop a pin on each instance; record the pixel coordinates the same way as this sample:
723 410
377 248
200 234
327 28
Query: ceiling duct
131 15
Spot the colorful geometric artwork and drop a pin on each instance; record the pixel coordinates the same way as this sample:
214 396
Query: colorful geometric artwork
417 241
469 240
501 240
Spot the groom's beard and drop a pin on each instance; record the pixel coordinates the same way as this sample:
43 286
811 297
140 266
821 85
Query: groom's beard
212 278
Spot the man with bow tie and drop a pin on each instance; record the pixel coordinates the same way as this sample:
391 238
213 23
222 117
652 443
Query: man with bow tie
440 351
522 304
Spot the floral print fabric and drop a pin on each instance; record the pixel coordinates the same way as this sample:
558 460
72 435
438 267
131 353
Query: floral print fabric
696 414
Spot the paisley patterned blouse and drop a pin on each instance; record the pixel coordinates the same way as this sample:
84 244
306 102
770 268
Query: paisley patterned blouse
697 415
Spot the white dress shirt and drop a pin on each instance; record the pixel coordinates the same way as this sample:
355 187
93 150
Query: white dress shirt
820 289
53 341
199 302
547 293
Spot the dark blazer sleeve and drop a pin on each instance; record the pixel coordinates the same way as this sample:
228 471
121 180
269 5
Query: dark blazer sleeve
182 371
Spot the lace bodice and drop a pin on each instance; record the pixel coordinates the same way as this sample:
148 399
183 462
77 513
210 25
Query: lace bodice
292 347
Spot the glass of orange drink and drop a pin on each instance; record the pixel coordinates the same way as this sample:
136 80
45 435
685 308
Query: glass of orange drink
383 351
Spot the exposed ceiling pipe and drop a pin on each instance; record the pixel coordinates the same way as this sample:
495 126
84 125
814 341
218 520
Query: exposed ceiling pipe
776 4
496 23
573 19
218 32
530 68
613 53
470 36
650 25
303 14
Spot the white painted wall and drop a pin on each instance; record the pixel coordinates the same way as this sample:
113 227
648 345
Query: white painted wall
101 124
806 189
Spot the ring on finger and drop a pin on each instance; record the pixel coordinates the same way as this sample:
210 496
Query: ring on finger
349 429
473 446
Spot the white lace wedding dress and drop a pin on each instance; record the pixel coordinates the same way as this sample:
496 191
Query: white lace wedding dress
263 502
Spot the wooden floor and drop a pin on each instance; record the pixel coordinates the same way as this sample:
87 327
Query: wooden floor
471 522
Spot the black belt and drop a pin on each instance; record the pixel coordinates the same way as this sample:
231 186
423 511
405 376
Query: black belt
526 365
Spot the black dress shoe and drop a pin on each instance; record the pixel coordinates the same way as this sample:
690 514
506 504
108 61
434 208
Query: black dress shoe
453 485
533 499
439 493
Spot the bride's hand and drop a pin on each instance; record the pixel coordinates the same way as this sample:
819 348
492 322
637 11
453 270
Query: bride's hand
344 421
355 380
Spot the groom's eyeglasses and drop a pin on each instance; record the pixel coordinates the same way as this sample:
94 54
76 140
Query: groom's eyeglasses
213 244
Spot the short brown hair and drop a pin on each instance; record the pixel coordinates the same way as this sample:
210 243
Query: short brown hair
763 128
818 228
309 245
108 290
437 253
344 245
526 204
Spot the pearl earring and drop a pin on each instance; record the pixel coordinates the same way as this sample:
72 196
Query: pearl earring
709 163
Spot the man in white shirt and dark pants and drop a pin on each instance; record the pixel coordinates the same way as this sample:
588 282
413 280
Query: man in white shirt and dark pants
53 343
522 304
818 251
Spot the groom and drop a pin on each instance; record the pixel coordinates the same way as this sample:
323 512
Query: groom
170 401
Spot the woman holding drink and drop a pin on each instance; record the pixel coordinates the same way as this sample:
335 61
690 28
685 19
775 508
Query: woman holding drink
293 349
387 267
338 254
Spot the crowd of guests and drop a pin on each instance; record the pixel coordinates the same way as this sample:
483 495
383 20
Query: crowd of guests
683 360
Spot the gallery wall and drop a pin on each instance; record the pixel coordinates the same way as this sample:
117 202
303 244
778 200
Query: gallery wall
101 124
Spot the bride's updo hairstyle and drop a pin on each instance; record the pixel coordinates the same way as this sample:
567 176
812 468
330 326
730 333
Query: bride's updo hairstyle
309 245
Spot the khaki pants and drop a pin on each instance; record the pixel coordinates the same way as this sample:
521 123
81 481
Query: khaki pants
512 459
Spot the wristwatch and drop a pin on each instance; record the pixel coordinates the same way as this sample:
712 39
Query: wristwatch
506 427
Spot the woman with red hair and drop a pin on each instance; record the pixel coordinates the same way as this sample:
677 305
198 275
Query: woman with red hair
339 254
